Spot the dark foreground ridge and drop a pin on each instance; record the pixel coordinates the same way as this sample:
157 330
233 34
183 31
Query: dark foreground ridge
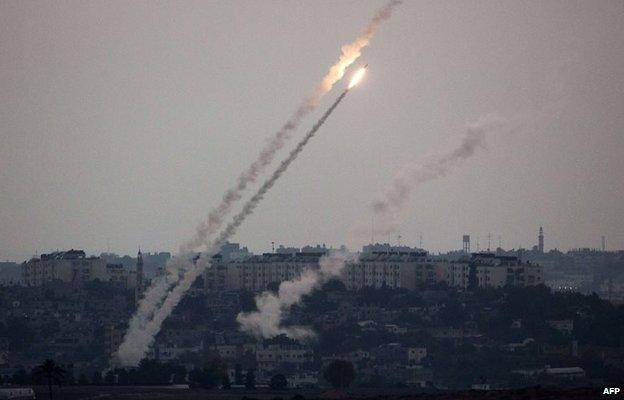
171 392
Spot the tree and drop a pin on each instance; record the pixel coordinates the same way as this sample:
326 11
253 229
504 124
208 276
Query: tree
109 378
179 373
334 285
238 374
20 377
273 287
225 382
339 373
210 376
122 376
82 380
18 332
250 379
278 382
247 301
51 372
96 379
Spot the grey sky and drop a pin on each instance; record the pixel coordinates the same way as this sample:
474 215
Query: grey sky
122 123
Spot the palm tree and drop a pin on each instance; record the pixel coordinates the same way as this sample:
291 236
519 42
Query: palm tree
51 372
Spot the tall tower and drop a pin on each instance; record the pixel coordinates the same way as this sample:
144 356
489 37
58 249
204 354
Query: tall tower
540 243
466 243
140 279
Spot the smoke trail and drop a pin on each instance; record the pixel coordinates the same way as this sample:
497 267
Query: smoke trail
390 208
142 332
156 293
350 53
266 322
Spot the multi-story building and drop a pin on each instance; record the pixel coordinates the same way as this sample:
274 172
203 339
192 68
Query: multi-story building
67 266
458 274
392 270
257 273
491 270
120 276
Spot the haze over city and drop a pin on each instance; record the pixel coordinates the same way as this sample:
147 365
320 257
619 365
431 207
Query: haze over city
123 123
311 200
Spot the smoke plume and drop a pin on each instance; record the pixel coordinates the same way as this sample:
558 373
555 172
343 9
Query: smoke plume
267 321
389 210
143 329
350 53
155 295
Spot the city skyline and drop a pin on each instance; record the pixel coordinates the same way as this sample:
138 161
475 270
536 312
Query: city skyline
311 200
490 243
112 143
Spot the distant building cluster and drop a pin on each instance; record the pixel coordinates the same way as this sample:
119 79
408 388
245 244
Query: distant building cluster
66 266
257 273
400 315
75 267
391 269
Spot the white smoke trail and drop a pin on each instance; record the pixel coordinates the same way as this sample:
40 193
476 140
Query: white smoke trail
267 321
156 293
144 329
350 53
389 210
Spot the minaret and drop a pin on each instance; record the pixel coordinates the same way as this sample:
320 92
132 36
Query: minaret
540 243
140 284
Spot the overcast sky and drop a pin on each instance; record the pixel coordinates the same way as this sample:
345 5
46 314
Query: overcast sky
122 123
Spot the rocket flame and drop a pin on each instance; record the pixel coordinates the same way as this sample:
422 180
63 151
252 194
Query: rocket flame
357 77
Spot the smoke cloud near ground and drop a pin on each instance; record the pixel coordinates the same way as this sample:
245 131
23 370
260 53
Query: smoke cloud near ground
144 328
180 265
267 321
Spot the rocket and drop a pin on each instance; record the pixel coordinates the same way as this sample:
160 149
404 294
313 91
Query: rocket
357 76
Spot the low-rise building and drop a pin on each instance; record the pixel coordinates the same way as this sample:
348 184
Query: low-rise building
271 356
303 379
565 326
415 355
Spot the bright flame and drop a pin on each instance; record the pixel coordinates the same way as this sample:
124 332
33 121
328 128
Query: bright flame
357 77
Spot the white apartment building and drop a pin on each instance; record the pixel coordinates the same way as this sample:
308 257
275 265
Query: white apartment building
391 269
256 273
394 270
66 266
499 271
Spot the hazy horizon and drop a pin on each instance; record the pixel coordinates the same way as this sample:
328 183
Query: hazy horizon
123 123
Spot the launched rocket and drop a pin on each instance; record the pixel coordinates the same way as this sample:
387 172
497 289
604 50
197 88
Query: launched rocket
357 76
